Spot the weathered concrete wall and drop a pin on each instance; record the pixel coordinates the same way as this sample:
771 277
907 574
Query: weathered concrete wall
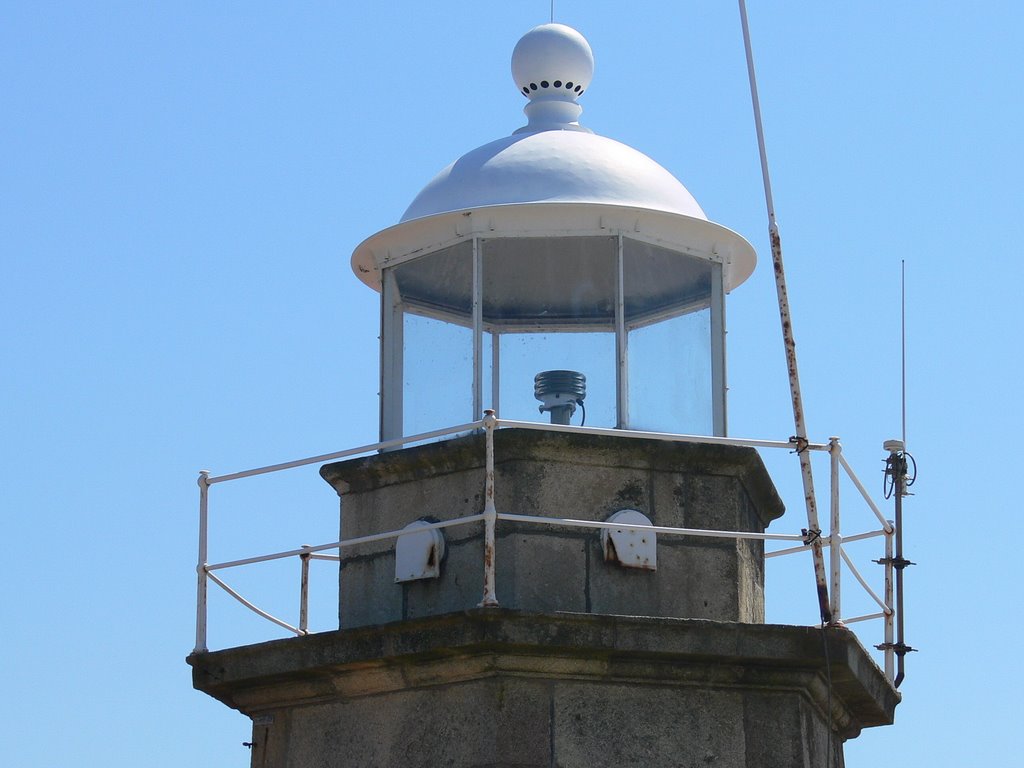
493 687
544 568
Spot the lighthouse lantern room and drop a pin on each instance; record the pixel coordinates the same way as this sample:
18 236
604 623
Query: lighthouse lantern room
554 274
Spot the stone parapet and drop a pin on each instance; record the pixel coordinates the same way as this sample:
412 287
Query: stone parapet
555 568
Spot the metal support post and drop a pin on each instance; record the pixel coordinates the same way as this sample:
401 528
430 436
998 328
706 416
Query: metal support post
835 534
890 615
621 343
490 599
201 583
304 590
898 464
896 485
478 332
800 439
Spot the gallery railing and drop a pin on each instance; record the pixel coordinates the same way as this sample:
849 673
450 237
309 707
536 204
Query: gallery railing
490 516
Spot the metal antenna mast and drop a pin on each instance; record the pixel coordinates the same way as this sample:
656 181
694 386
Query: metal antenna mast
813 533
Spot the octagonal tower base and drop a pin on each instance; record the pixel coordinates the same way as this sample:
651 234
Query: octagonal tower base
587 663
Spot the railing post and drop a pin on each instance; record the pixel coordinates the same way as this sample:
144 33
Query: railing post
490 599
835 534
201 583
304 591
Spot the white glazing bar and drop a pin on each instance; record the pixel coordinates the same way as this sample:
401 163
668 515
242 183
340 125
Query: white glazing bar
496 372
391 358
621 341
201 573
719 384
478 330
835 536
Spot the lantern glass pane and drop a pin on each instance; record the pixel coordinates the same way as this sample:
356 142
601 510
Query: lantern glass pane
438 381
670 375
547 283
435 293
667 304
439 284
524 355
549 303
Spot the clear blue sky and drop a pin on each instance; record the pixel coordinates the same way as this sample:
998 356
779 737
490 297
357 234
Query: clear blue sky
181 186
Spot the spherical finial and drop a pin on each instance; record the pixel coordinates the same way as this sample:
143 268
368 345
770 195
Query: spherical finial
552 62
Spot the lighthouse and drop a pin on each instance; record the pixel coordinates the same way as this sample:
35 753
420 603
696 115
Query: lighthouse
555 554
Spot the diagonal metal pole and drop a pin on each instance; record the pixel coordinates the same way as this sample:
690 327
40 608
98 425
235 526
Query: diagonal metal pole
813 528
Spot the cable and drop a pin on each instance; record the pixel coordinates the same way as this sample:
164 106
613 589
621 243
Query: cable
897 464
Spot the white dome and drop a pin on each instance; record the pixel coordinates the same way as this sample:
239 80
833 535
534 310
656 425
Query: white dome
554 178
557 166
553 159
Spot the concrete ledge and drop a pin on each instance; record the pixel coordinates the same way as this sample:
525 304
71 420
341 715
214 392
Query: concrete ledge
603 650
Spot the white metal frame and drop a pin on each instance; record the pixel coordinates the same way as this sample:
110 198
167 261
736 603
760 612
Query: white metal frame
394 307
490 517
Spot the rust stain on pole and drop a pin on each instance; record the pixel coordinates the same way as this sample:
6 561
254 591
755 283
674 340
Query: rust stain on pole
800 439
490 599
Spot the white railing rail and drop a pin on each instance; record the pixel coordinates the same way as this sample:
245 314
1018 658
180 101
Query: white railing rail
490 517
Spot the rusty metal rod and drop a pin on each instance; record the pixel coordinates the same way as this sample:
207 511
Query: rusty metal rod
813 526
835 536
490 514
304 589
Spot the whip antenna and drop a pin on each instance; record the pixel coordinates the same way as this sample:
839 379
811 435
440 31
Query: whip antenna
813 534
903 343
